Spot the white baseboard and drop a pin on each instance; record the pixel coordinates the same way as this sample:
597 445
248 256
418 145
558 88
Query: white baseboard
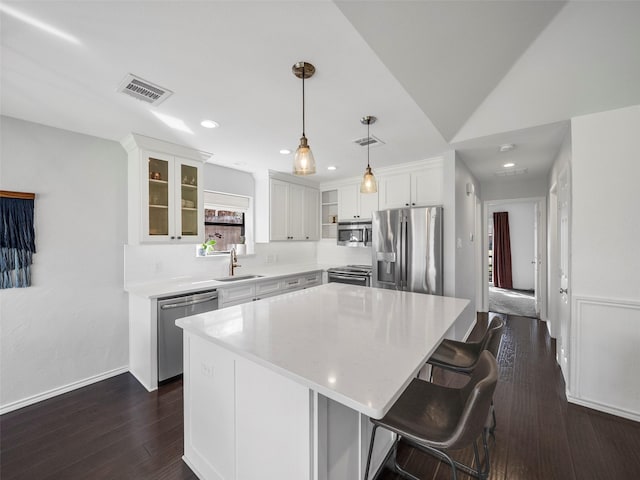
604 408
10 407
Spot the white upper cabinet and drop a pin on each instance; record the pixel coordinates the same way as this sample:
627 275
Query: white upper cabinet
353 205
165 192
294 211
418 188
311 214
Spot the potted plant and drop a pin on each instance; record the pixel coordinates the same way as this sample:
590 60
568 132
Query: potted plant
208 246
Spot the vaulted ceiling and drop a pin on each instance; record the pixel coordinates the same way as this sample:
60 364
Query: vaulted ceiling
465 75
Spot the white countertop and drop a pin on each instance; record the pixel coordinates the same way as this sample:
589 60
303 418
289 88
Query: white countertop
359 346
186 284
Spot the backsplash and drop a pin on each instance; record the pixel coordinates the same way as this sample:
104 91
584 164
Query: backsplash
331 254
148 263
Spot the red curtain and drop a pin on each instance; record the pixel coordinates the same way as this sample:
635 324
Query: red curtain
501 251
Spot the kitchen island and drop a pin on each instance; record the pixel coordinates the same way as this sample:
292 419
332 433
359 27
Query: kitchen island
283 387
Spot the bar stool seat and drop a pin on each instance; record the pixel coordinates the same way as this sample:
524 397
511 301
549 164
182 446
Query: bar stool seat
434 418
462 357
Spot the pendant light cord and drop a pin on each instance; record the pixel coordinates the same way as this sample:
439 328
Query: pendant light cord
303 66
368 141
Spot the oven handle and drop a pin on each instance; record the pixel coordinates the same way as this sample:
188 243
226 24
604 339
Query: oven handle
345 277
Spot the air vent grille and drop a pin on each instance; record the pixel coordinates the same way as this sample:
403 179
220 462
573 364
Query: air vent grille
144 90
371 140
510 172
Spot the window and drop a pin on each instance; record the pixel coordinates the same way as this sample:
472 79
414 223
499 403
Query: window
226 227
225 219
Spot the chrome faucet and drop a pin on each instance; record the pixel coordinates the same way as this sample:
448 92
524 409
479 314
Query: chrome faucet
233 261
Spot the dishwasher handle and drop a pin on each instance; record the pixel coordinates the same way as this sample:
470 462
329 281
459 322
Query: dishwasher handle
191 300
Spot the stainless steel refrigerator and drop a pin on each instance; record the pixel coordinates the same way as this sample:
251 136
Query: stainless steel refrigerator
407 249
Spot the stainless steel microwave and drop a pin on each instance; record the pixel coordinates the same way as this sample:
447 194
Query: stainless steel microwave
354 234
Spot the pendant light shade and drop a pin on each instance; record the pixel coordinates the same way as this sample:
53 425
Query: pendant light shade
369 183
303 162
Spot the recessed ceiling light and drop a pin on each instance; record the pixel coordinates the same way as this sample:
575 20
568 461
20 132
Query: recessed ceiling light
332 167
209 124
173 122
285 151
509 165
507 147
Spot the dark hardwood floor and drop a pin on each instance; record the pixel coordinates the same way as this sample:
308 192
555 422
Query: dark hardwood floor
539 435
115 429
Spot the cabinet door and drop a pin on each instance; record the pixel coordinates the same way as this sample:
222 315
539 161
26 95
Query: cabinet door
296 212
368 205
311 214
395 191
189 218
158 198
348 199
237 295
426 187
279 210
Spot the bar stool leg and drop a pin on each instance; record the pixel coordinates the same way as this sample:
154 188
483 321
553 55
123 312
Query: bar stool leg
373 437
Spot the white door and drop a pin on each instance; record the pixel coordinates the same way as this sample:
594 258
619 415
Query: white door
538 244
564 249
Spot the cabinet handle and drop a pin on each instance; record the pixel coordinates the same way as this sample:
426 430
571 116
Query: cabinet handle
413 204
179 238
406 204
173 238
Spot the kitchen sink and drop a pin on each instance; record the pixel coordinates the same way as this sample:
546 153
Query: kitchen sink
239 277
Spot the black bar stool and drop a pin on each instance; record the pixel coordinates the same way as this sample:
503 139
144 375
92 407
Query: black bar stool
434 418
462 357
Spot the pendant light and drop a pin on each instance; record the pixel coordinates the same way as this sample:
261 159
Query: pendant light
369 184
303 163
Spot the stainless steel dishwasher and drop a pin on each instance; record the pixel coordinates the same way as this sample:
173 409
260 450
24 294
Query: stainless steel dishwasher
170 336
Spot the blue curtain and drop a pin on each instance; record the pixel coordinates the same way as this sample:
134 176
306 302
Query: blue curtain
17 242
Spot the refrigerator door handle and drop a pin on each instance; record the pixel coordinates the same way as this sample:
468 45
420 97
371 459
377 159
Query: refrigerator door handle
405 250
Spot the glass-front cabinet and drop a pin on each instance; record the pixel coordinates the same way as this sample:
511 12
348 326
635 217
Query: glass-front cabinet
174 211
166 195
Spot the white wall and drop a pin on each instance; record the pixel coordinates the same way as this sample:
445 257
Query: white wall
70 326
507 188
521 232
222 179
329 253
465 250
605 261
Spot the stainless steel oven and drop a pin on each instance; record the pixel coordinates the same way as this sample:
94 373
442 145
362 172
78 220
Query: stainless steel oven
354 234
350 274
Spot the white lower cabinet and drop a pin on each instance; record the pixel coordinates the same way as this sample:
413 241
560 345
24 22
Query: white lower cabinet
236 295
266 289
249 291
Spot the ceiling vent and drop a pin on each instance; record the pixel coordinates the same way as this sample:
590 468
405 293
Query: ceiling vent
371 140
143 90
511 173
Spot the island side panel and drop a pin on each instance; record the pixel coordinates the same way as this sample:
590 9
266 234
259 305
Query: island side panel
274 425
209 409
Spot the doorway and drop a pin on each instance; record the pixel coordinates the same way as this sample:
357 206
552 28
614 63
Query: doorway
514 258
